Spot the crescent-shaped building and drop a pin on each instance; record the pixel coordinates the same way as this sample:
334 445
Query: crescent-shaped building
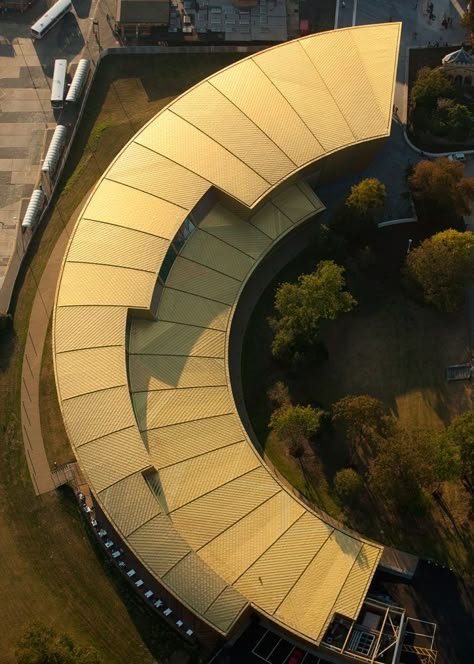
144 308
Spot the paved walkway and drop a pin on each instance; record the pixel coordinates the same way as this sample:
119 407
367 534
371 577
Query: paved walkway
38 464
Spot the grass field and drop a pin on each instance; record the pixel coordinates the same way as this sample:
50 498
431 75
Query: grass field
50 571
392 348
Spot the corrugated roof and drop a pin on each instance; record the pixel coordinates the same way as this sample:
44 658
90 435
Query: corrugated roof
159 437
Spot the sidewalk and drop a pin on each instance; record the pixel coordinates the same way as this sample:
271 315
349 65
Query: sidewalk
38 465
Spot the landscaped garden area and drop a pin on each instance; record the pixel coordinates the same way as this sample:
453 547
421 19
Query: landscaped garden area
50 570
441 101
344 370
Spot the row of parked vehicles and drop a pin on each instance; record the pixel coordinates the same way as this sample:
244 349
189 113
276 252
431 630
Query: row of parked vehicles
50 18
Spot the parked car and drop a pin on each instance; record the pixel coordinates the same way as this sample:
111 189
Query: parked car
457 156
296 656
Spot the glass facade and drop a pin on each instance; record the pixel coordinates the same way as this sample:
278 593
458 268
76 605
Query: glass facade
185 230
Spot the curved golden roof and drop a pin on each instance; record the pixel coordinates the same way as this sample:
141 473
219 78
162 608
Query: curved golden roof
147 403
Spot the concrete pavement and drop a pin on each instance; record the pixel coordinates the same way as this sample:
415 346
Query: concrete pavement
26 69
40 317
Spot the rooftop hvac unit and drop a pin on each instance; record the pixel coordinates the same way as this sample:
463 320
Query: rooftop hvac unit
33 210
80 77
55 149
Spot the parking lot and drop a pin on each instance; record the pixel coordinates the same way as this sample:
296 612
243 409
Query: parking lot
259 644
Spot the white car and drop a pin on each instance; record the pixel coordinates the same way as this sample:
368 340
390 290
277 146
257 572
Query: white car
457 156
108 544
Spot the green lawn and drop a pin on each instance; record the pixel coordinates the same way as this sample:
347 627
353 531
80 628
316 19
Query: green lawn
50 571
390 347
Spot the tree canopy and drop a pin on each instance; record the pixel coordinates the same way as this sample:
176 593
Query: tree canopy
441 188
301 307
363 418
40 644
441 266
367 197
348 484
430 85
410 461
295 425
356 218
461 433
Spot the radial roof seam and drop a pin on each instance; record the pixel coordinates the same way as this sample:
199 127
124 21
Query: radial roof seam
204 297
194 419
204 230
226 483
329 92
279 147
228 150
148 193
185 387
125 228
279 537
213 269
395 63
323 150
173 567
165 320
114 265
197 456
74 350
303 571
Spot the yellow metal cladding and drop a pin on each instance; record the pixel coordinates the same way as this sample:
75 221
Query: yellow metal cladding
182 307
206 108
195 437
200 522
226 608
77 377
164 372
146 399
89 327
220 256
130 503
135 209
98 242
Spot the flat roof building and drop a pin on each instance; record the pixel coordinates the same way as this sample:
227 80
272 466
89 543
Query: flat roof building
142 321
138 17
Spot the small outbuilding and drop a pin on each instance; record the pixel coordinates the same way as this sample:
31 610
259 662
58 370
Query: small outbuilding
137 18
459 67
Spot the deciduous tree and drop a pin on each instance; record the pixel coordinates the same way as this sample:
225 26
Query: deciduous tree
440 188
441 266
430 85
303 305
411 461
348 484
40 644
461 433
363 418
367 197
295 425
